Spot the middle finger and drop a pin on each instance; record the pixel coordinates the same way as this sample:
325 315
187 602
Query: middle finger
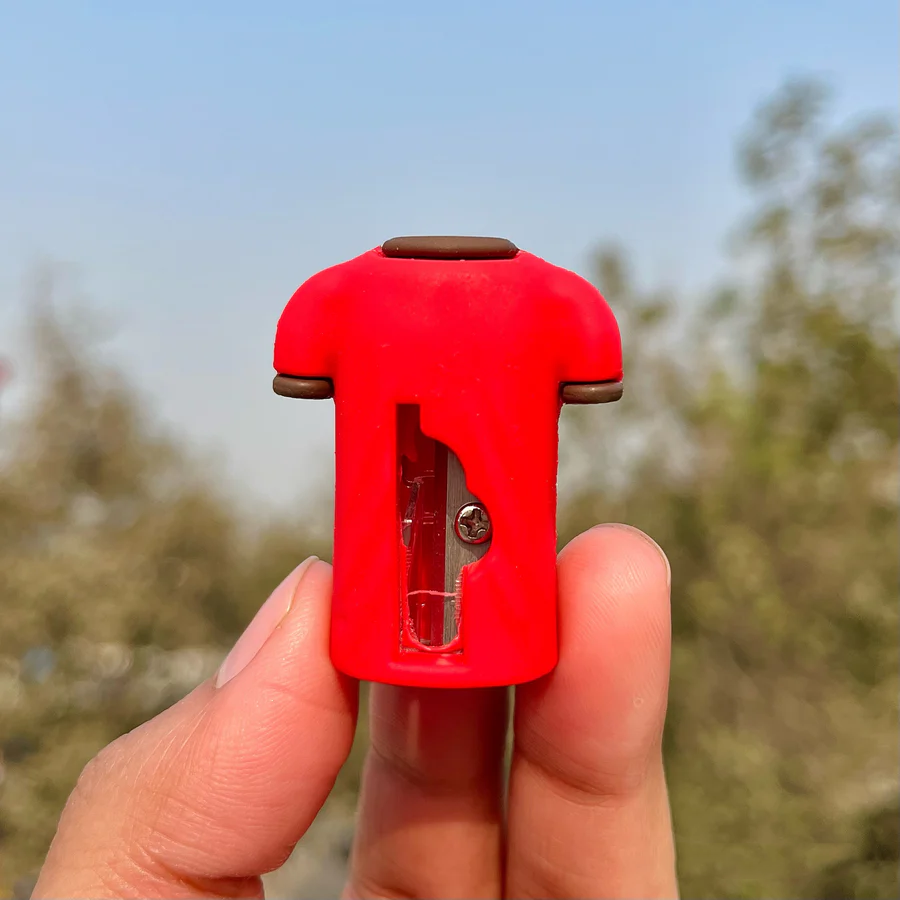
430 819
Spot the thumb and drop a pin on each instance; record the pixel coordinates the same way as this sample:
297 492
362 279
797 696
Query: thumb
219 788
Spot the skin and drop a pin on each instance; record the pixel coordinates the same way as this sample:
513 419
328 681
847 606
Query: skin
215 791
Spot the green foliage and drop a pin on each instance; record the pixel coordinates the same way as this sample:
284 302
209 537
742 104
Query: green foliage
870 871
757 442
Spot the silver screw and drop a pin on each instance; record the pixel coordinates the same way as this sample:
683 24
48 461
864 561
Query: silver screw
473 525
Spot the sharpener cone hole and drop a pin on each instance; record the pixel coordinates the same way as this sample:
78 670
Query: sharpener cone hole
431 490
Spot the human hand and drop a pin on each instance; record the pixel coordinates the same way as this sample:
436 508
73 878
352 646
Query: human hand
215 791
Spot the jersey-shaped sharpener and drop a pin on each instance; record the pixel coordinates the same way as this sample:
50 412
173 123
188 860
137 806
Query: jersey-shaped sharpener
449 359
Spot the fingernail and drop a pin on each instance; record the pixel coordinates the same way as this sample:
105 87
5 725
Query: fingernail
650 541
270 615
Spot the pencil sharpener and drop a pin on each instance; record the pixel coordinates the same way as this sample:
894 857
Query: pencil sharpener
448 359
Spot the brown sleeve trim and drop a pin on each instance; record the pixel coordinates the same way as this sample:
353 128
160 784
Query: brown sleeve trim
593 392
303 388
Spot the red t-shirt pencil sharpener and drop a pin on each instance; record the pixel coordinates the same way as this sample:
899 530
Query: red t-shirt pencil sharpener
449 359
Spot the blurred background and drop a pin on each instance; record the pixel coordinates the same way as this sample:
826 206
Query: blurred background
727 173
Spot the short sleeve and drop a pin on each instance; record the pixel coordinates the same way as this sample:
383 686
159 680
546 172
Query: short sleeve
305 340
589 346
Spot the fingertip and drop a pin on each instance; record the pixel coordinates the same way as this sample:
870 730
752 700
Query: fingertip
598 717
267 620
293 667
614 606
615 546
310 609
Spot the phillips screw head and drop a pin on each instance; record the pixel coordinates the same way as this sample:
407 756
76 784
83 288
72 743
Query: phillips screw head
473 525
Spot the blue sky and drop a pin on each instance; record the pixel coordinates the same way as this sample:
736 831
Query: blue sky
197 161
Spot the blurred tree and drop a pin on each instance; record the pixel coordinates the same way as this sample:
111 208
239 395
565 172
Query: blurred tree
762 454
124 575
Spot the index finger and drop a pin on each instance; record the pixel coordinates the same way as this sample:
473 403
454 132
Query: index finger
588 807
